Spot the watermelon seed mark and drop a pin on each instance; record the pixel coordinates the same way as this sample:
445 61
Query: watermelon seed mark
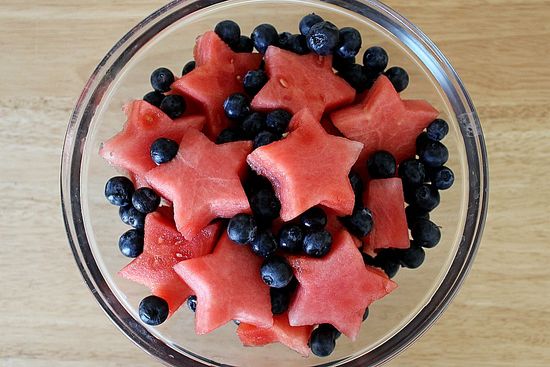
283 82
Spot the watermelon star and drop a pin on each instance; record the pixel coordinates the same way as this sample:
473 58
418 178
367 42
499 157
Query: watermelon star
298 81
228 287
218 74
322 297
203 181
308 167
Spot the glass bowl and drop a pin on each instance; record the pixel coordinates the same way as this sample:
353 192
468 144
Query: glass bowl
166 38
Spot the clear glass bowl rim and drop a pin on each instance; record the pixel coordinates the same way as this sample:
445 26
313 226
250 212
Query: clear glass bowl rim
121 53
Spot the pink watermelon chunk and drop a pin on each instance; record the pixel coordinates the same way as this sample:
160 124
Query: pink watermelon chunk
129 150
297 82
163 248
322 297
308 167
384 198
294 337
228 286
203 181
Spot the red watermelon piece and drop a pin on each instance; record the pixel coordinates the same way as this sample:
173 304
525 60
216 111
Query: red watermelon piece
308 167
298 81
384 198
329 126
163 248
294 337
203 181
228 286
129 150
382 121
322 297
218 74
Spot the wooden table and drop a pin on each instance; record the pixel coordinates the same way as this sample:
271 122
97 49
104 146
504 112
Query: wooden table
500 48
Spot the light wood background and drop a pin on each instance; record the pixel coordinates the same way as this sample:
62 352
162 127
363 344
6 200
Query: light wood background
501 50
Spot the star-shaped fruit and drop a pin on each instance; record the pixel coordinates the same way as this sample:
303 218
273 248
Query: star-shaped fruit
297 82
219 73
294 337
308 167
337 288
130 149
382 121
203 181
228 286
163 248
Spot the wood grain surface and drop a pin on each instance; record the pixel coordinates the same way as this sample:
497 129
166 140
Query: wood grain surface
500 48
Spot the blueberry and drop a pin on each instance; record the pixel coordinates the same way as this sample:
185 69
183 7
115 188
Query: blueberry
280 299
412 172
381 165
366 314
263 36
189 67
192 303
309 21
388 260
391 268
340 63
298 44
414 214
254 80
254 183
173 105
375 59
155 98
236 106
245 44
398 77
285 40
322 342
442 178
163 150
229 135
314 219
322 38
119 190
437 129
328 328
131 243
153 310
145 200
162 79
349 42
422 140
425 197
357 186
264 138
291 238
242 228
253 124
277 121
264 244
355 76
228 31
265 205
360 222
317 244
131 216
425 233
276 272
434 154
412 257
369 260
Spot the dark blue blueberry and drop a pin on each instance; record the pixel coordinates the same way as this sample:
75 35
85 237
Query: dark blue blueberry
263 36
230 135
357 186
442 178
398 77
322 38
228 31
366 314
280 300
360 222
277 121
434 154
425 233
425 197
264 244
414 214
265 205
328 328
254 80
375 59
155 98
264 138
119 190
153 310
276 272
340 63
254 183
245 44
192 303
291 238
318 244
349 42
285 40
322 342
355 76
390 268
381 164
298 44
314 219
173 105
236 106
369 260
389 261
145 200
163 150
131 216
422 141
412 257
437 129
242 228
189 67
131 243
253 124
412 172
309 21
162 79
